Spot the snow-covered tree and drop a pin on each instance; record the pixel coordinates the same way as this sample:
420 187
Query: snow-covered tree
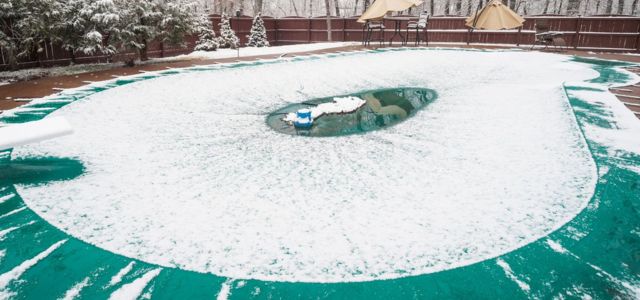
103 27
138 24
86 26
10 33
228 38
38 25
258 36
143 21
178 19
207 40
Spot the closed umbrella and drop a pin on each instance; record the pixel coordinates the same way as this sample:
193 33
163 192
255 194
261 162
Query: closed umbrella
495 16
379 8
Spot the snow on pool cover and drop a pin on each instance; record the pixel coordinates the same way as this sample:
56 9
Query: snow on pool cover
183 171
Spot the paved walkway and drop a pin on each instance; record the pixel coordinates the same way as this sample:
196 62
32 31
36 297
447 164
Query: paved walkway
19 93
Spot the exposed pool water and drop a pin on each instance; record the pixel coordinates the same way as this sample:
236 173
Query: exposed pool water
520 182
383 108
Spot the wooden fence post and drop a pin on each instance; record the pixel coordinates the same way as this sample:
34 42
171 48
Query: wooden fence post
275 25
518 36
638 38
576 37
344 29
309 30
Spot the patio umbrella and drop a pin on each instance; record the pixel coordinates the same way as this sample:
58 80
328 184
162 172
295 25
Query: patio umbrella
379 8
495 16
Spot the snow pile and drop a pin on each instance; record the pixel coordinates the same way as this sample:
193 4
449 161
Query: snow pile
339 105
183 170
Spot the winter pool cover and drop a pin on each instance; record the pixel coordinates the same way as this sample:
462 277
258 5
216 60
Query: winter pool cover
520 180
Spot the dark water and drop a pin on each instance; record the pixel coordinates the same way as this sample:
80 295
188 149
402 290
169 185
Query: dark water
383 108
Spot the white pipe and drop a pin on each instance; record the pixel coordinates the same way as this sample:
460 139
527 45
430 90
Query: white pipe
12 136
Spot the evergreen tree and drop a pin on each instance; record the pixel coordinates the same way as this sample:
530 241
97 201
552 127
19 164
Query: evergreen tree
138 24
87 26
258 36
11 13
207 40
39 25
178 19
228 38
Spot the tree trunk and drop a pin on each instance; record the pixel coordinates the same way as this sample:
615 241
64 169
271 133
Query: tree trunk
12 60
328 11
337 7
634 6
311 8
365 5
295 9
573 7
355 8
144 56
72 54
609 7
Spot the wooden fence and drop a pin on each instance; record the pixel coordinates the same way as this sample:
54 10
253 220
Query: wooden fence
603 33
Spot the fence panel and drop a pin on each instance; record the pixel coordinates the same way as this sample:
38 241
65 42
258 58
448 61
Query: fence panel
587 33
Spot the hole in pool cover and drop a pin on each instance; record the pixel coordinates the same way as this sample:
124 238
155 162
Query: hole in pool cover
361 112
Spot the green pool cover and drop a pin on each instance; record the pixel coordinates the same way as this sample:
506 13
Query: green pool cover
596 254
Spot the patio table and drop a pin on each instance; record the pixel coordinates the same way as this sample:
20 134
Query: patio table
396 29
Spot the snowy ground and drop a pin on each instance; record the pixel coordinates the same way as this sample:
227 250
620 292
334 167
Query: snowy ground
183 170
253 51
7 77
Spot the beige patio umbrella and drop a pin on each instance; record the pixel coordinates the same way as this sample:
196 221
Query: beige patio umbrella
379 8
495 16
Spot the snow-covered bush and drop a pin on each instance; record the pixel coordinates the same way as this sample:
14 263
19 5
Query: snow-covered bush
228 38
258 36
207 40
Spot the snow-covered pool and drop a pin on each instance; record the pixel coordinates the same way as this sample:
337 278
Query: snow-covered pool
182 170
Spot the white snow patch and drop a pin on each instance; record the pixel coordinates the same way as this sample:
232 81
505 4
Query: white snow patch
507 270
633 289
15 273
75 290
7 197
254 51
134 289
13 212
555 246
225 290
624 136
118 277
3 233
190 176
339 105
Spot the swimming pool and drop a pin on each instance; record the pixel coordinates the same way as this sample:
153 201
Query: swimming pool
510 178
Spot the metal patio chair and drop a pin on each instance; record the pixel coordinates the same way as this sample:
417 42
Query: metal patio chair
421 24
370 27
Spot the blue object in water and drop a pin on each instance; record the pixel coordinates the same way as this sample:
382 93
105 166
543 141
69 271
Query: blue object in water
303 119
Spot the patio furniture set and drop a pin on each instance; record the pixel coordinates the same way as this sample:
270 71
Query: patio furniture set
377 25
